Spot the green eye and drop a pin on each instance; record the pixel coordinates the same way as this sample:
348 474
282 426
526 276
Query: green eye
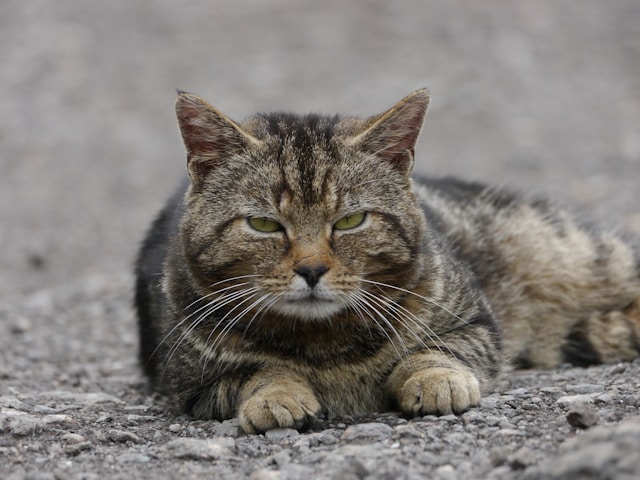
350 221
263 224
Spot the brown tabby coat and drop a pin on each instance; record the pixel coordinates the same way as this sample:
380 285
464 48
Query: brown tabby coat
304 271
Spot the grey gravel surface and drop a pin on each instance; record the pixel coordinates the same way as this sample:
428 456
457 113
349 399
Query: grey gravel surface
543 96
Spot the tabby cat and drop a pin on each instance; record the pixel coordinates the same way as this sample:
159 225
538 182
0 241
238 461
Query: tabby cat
301 270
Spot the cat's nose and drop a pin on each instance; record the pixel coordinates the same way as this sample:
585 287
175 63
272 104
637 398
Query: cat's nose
312 273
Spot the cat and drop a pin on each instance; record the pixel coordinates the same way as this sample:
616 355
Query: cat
301 270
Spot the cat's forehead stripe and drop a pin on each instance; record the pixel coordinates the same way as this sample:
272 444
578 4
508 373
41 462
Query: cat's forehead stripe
305 151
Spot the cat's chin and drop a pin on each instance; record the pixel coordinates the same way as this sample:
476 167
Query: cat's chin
309 309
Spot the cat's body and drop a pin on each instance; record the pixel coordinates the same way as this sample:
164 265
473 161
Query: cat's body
302 270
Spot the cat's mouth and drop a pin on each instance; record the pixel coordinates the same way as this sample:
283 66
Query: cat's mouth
309 307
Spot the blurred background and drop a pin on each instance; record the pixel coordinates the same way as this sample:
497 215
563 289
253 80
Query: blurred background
541 95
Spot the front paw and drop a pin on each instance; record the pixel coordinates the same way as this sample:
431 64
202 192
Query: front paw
440 391
278 405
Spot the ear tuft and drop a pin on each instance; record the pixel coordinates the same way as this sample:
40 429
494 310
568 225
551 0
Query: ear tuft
392 135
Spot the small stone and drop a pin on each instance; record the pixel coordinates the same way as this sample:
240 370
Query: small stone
134 419
85 399
373 431
136 408
584 388
551 390
44 410
281 458
227 428
265 474
517 392
490 401
12 402
568 400
499 455
451 418
428 458
57 419
521 459
175 427
134 458
582 415
408 431
277 434
473 416
603 452
20 325
77 448
197 448
40 476
327 437
508 432
446 472
72 438
603 398
23 425
122 436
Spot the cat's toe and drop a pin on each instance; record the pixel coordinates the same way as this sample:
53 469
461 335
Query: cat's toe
439 391
277 407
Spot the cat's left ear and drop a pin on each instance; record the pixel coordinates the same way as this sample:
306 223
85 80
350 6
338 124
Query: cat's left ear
393 134
209 136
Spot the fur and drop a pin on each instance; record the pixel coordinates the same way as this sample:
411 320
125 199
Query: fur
418 305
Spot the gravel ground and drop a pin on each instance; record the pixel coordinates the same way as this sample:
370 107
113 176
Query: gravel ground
543 95
77 409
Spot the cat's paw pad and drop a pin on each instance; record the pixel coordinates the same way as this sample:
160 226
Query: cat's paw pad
278 406
439 391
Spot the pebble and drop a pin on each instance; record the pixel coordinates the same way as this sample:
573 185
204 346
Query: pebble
265 474
197 448
369 432
122 436
75 449
175 427
584 388
603 452
446 472
408 431
552 390
278 434
517 392
227 428
521 458
568 400
72 438
132 457
12 402
582 415
84 399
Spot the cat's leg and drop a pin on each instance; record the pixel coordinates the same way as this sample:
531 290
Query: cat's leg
277 400
433 383
605 337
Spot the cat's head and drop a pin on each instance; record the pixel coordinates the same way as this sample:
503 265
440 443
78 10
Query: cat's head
301 216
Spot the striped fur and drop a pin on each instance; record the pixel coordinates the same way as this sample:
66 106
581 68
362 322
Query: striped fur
417 306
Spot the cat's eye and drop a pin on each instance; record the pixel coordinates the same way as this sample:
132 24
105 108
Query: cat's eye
350 221
263 224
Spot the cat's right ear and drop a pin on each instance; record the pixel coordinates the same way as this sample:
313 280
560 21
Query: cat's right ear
209 136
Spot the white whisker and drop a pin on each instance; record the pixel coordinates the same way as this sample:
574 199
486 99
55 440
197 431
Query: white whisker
371 308
209 309
426 299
